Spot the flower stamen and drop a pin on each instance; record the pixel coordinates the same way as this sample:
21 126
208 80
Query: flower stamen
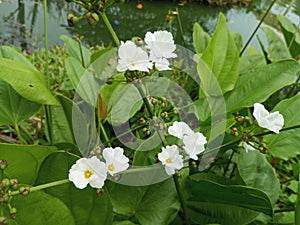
88 174
111 167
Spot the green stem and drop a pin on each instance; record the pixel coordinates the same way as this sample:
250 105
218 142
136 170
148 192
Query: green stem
81 53
47 108
69 153
102 129
228 163
257 27
180 27
17 129
110 29
297 209
181 199
44 186
282 130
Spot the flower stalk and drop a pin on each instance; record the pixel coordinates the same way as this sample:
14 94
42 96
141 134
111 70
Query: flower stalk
110 29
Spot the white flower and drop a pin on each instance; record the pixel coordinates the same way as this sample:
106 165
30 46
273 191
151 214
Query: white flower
132 57
180 129
171 159
194 144
272 121
88 170
246 146
162 47
115 160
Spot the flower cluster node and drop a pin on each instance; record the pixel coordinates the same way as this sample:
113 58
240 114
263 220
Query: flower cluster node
13 213
3 220
24 191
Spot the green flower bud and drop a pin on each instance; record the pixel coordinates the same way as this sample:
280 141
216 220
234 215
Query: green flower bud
175 111
146 131
13 213
100 192
142 121
3 164
239 119
5 182
6 198
110 80
3 220
24 190
234 131
247 118
93 18
164 115
72 20
14 184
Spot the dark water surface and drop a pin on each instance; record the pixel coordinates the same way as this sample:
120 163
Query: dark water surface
21 21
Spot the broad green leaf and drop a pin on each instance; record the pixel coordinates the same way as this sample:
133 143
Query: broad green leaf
73 49
24 160
297 209
285 145
39 208
86 85
10 53
238 40
257 172
291 35
277 50
13 107
127 222
124 102
210 202
154 204
85 205
62 120
222 56
28 82
252 61
258 85
200 38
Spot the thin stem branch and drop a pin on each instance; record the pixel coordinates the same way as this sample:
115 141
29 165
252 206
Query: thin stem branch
282 130
110 29
44 186
103 131
257 27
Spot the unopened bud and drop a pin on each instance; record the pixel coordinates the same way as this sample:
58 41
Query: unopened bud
178 175
100 192
175 111
3 220
142 121
13 213
14 184
239 119
72 20
3 164
234 131
110 80
5 182
24 190
164 115
146 131
247 118
139 41
93 18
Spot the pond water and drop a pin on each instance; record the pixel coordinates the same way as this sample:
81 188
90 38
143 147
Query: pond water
21 21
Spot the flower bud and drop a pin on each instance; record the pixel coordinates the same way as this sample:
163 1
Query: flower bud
6 198
72 20
5 182
14 184
146 131
100 192
175 111
142 121
24 190
13 213
239 119
164 115
93 18
234 131
3 220
110 80
247 118
3 164
139 41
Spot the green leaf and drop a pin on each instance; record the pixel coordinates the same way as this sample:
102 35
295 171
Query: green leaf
73 49
291 35
26 81
277 50
222 56
210 202
238 40
124 102
297 209
85 205
14 108
257 172
154 204
10 53
258 85
200 38
62 121
252 61
285 145
39 208
24 160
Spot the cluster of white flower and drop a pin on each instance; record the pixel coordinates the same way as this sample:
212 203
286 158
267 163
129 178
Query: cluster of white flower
158 49
193 144
94 172
272 121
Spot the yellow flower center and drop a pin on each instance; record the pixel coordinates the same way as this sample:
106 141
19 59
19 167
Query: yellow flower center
168 160
111 167
132 64
88 174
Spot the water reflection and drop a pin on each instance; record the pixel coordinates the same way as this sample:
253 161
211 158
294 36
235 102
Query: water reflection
21 21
